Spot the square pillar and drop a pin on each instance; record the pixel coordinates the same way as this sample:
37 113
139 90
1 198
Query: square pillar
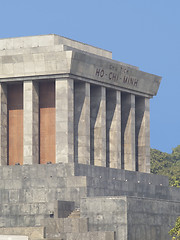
113 128
98 125
82 122
128 132
142 135
64 89
3 124
31 122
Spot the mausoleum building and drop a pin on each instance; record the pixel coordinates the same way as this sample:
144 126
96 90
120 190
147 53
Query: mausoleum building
65 101
75 145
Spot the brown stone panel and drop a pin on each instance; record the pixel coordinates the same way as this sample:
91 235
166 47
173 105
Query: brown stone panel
47 122
15 124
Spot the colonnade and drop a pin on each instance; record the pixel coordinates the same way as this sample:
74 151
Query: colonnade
92 125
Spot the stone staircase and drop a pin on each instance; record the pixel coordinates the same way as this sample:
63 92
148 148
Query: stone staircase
75 213
42 201
71 227
59 229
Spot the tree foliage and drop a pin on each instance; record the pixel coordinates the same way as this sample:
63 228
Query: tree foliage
167 164
175 232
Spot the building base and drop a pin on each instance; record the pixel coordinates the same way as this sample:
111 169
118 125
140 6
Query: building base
76 201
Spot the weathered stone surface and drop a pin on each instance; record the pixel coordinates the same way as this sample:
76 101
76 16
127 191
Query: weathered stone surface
3 124
98 126
82 123
128 132
29 193
93 125
131 218
12 237
98 188
44 55
64 120
142 125
113 129
30 232
31 123
34 44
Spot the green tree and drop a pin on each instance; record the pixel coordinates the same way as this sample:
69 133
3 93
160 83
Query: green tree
176 153
167 164
175 232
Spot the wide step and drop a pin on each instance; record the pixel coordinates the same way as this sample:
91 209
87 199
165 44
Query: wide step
85 236
75 213
59 226
31 232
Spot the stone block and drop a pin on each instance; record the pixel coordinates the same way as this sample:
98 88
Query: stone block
71 225
13 196
12 237
91 236
98 126
30 232
53 227
2 184
76 181
7 172
39 195
83 225
64 208
32 203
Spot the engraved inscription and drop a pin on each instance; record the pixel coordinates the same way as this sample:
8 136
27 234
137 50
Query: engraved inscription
99 72
113 76
130 80
117 75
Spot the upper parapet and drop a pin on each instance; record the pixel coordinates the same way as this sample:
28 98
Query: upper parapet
50 40
52 56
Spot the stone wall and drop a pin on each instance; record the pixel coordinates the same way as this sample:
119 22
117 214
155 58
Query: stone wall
115 182
131 218
29 193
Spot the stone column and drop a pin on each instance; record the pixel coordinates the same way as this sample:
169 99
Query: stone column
98 125
128 132
113 128
31 122
64 120
82 122
3 124
142 135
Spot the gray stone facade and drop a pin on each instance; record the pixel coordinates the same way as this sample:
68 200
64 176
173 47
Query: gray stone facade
132 205
110 111
82 123
3 126
99 186
64 120
31 123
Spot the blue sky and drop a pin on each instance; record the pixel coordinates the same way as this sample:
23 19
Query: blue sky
144 33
